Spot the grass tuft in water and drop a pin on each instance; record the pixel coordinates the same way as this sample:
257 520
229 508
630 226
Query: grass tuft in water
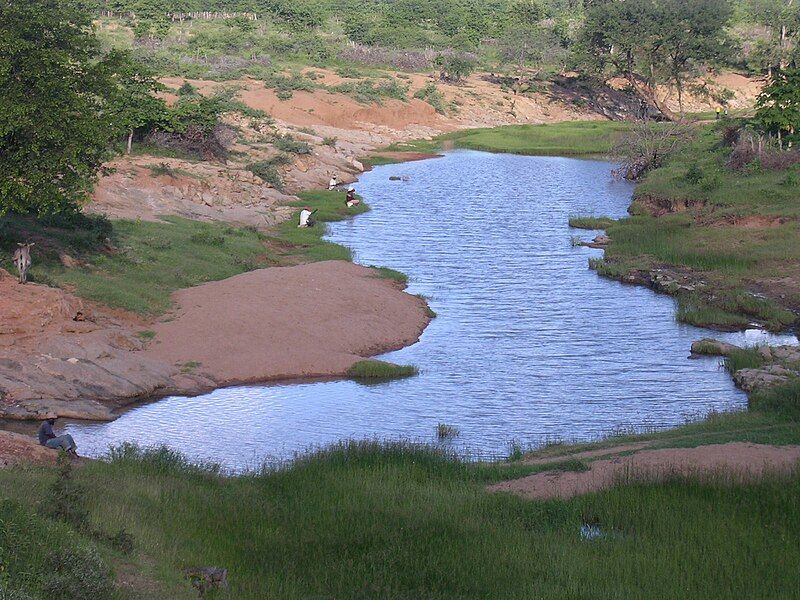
380 370
591 222
447 432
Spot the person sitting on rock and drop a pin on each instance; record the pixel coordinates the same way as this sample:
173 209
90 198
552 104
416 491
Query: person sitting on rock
333 182
350 199
306 218
48 438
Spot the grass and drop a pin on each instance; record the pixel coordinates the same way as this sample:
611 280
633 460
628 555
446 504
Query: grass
150 261
403 521
591 222
306 244
576 138
380 370
447 432
387 273
782 400
745 358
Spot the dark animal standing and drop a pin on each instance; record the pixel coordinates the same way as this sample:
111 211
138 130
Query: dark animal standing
22 260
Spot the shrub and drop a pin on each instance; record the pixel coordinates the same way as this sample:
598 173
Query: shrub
287 144
329 141
431 94
694 175
266 171
77 574
187 89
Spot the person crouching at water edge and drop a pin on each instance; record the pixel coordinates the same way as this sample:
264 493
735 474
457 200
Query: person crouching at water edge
350 199
48 438
307 218
333 183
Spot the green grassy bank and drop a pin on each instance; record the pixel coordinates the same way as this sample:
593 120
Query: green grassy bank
571 138
735 231
137 265
392 520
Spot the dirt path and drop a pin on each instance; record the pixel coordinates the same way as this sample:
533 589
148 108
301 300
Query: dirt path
284 322
736 459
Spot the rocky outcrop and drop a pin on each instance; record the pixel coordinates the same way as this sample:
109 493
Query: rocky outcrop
779 364
79 369
21 449
751 380
711 347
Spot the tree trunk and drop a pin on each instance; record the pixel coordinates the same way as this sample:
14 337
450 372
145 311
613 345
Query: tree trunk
648 94
130 140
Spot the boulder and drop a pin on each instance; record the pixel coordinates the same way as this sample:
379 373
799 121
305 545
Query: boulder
711 347
754 379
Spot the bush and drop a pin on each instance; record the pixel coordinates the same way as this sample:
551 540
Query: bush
431 94
266 171
77 574
206 238
367 91
288 144
187 89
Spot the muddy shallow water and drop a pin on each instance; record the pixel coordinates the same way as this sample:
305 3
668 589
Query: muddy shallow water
529 345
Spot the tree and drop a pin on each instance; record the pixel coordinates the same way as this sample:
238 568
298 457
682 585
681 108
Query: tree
133 104
778 106
54 131
453 67
782 18
651 42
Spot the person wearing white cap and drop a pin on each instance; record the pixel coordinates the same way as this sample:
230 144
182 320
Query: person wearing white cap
49 439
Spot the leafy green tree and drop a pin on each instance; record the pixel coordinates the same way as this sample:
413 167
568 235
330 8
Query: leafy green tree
133 104
778 106
54 129
782 18
453 67
652 42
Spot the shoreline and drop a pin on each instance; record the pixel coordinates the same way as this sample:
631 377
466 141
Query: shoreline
383 316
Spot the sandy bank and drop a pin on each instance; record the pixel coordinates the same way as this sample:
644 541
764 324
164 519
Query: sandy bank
737 459
285 322
279 323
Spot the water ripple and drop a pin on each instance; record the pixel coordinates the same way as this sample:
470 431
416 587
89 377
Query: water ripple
529 344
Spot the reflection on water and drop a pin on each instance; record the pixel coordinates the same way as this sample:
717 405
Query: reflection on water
529 344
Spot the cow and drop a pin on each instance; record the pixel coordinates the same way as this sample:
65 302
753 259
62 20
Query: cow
22 260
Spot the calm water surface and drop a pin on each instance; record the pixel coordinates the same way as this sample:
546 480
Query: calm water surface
529 345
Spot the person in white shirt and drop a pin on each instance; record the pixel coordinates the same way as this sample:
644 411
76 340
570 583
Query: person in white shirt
333 182
306 219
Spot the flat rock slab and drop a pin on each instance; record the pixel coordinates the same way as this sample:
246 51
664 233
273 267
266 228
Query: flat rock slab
737 459
309 320
17 449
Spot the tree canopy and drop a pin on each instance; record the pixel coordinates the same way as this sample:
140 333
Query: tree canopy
54 123
651 42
